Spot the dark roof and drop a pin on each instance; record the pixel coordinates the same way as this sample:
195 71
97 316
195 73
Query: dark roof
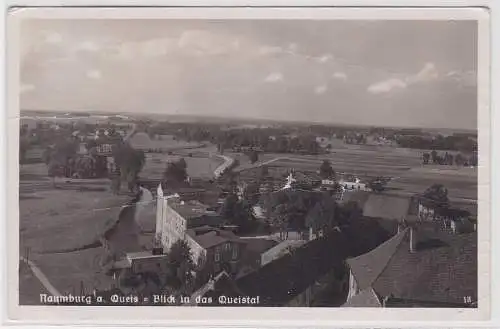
213 237
280 281
222 284
190 209
258 245
386 206
441 271
360 197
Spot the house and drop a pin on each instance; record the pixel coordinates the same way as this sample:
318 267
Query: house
215 249
175 216
457 218
415 268
295 278
353 185
208 295
255 248
383 205
279 250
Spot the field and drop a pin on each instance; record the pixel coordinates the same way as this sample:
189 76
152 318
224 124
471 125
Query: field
165 142
57 225
404 166
201 160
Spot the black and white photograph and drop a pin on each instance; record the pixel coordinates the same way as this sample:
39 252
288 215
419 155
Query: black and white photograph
244 162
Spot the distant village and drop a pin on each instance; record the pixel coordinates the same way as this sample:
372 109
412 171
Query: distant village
262 233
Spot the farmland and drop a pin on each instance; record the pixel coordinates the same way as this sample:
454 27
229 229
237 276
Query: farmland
201 160
57 224
404 166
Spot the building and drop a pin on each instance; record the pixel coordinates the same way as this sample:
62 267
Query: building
455 218
143 261
215 249
255 248
414 268
174 217
280 250
296 278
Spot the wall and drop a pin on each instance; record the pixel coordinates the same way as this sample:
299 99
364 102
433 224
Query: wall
353 286
197 251
425 212
155 264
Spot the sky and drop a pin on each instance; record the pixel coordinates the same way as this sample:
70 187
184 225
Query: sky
389 73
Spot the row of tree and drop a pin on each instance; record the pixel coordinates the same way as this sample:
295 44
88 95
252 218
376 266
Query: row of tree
449 159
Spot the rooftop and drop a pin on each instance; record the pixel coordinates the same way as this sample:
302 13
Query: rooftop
437 271
208 237
191 209
280 281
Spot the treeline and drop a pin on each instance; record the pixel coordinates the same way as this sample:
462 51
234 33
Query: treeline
449 159
449 143
279 140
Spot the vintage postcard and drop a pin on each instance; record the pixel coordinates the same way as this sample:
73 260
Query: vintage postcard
235 164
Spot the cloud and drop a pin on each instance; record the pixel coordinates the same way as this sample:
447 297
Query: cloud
464 78
53 38
340 76
266 50
199 42
320 89
88 46
428 73
387 86
274 77
94 74
325 58
26 88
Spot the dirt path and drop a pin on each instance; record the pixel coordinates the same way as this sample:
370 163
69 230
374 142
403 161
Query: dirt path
41 277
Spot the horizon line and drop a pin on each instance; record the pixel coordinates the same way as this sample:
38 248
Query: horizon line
246 118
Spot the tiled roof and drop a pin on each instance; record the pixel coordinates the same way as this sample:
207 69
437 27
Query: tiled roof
438 271
386 206
280 281
213 237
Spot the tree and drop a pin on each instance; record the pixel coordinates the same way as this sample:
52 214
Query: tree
436 196
459 159
323 216
253 156
326 171
180 264
130 162
434 156
425 157
228 209
377 184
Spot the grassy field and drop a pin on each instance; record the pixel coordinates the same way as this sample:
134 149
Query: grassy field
404 166
67 217
55 223
166 142
199 167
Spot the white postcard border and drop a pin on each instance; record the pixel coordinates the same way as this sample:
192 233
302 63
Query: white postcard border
250 316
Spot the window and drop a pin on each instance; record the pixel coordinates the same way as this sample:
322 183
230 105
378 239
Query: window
217 254
227 246
235 253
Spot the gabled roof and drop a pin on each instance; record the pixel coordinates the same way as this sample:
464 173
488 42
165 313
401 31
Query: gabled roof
367 268
386 206
213 237
437 271
278 282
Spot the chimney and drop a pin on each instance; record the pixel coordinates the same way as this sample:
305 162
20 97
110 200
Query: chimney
413 240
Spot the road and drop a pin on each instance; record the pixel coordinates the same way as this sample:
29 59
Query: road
41 277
